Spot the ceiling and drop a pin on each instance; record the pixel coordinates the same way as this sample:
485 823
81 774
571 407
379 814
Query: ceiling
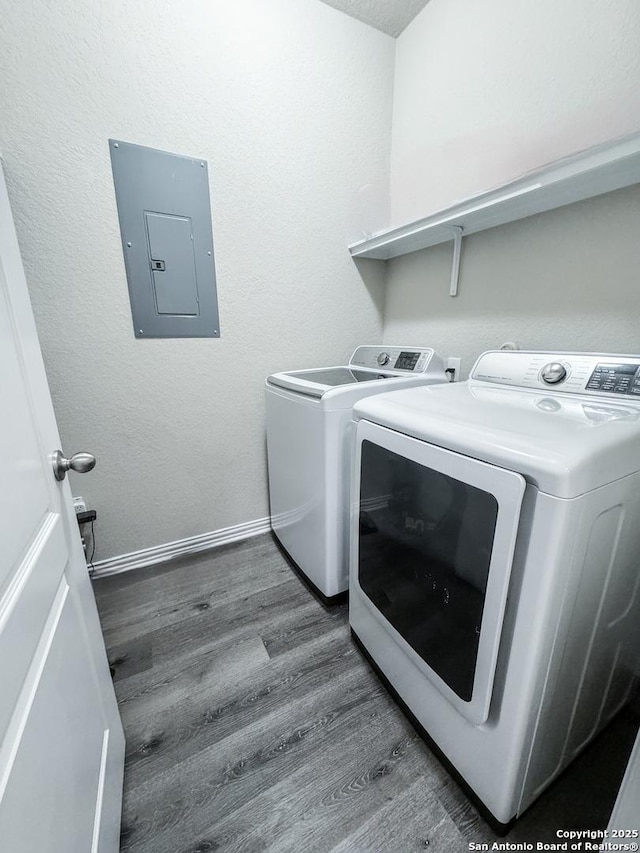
390 16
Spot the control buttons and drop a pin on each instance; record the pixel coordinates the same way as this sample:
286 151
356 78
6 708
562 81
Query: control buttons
553 373
615 379
407 361
383 359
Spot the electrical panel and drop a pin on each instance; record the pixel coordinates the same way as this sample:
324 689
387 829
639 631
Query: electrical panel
165 224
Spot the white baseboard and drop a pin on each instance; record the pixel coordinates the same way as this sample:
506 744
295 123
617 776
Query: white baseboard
181 547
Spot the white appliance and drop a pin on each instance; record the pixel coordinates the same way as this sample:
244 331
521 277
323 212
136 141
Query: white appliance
308 432
495 560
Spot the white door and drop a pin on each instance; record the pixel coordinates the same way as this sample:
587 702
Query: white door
61 740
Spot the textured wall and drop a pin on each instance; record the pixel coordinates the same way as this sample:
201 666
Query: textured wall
567 279
486 91
290 102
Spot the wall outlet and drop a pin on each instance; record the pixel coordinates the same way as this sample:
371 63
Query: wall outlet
454 364
79 505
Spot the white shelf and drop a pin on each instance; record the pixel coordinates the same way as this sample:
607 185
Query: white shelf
590 173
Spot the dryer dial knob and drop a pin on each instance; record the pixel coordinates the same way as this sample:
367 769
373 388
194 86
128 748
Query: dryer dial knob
553 373
383 359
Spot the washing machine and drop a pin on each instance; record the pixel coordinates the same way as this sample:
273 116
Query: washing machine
495 561
308 414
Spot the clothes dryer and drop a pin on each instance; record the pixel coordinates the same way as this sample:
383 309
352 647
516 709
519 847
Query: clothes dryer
495 560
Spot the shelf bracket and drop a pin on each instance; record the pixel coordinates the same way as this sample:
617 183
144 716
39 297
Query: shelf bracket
455 266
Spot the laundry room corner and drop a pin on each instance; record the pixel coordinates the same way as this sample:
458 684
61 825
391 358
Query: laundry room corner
483 95
177 426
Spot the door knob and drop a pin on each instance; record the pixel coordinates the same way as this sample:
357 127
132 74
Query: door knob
79 462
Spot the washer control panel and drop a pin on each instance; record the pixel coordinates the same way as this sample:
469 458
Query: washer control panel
569 373
407 361
392 359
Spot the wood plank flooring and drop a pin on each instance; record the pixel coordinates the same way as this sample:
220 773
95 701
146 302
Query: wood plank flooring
253 723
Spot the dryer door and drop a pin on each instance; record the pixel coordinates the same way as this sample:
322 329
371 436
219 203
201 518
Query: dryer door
437 532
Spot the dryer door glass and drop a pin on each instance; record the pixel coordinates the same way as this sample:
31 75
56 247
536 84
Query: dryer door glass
425 547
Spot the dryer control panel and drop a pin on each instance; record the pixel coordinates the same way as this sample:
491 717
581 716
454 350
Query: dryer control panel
566 372
615 378
393 359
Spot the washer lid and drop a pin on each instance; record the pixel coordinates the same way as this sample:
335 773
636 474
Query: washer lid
368 364
315 383
565 444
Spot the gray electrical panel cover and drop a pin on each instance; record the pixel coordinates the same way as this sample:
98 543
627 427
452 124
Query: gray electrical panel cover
165 223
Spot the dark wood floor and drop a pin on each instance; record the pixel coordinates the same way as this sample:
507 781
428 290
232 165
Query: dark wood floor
253 723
